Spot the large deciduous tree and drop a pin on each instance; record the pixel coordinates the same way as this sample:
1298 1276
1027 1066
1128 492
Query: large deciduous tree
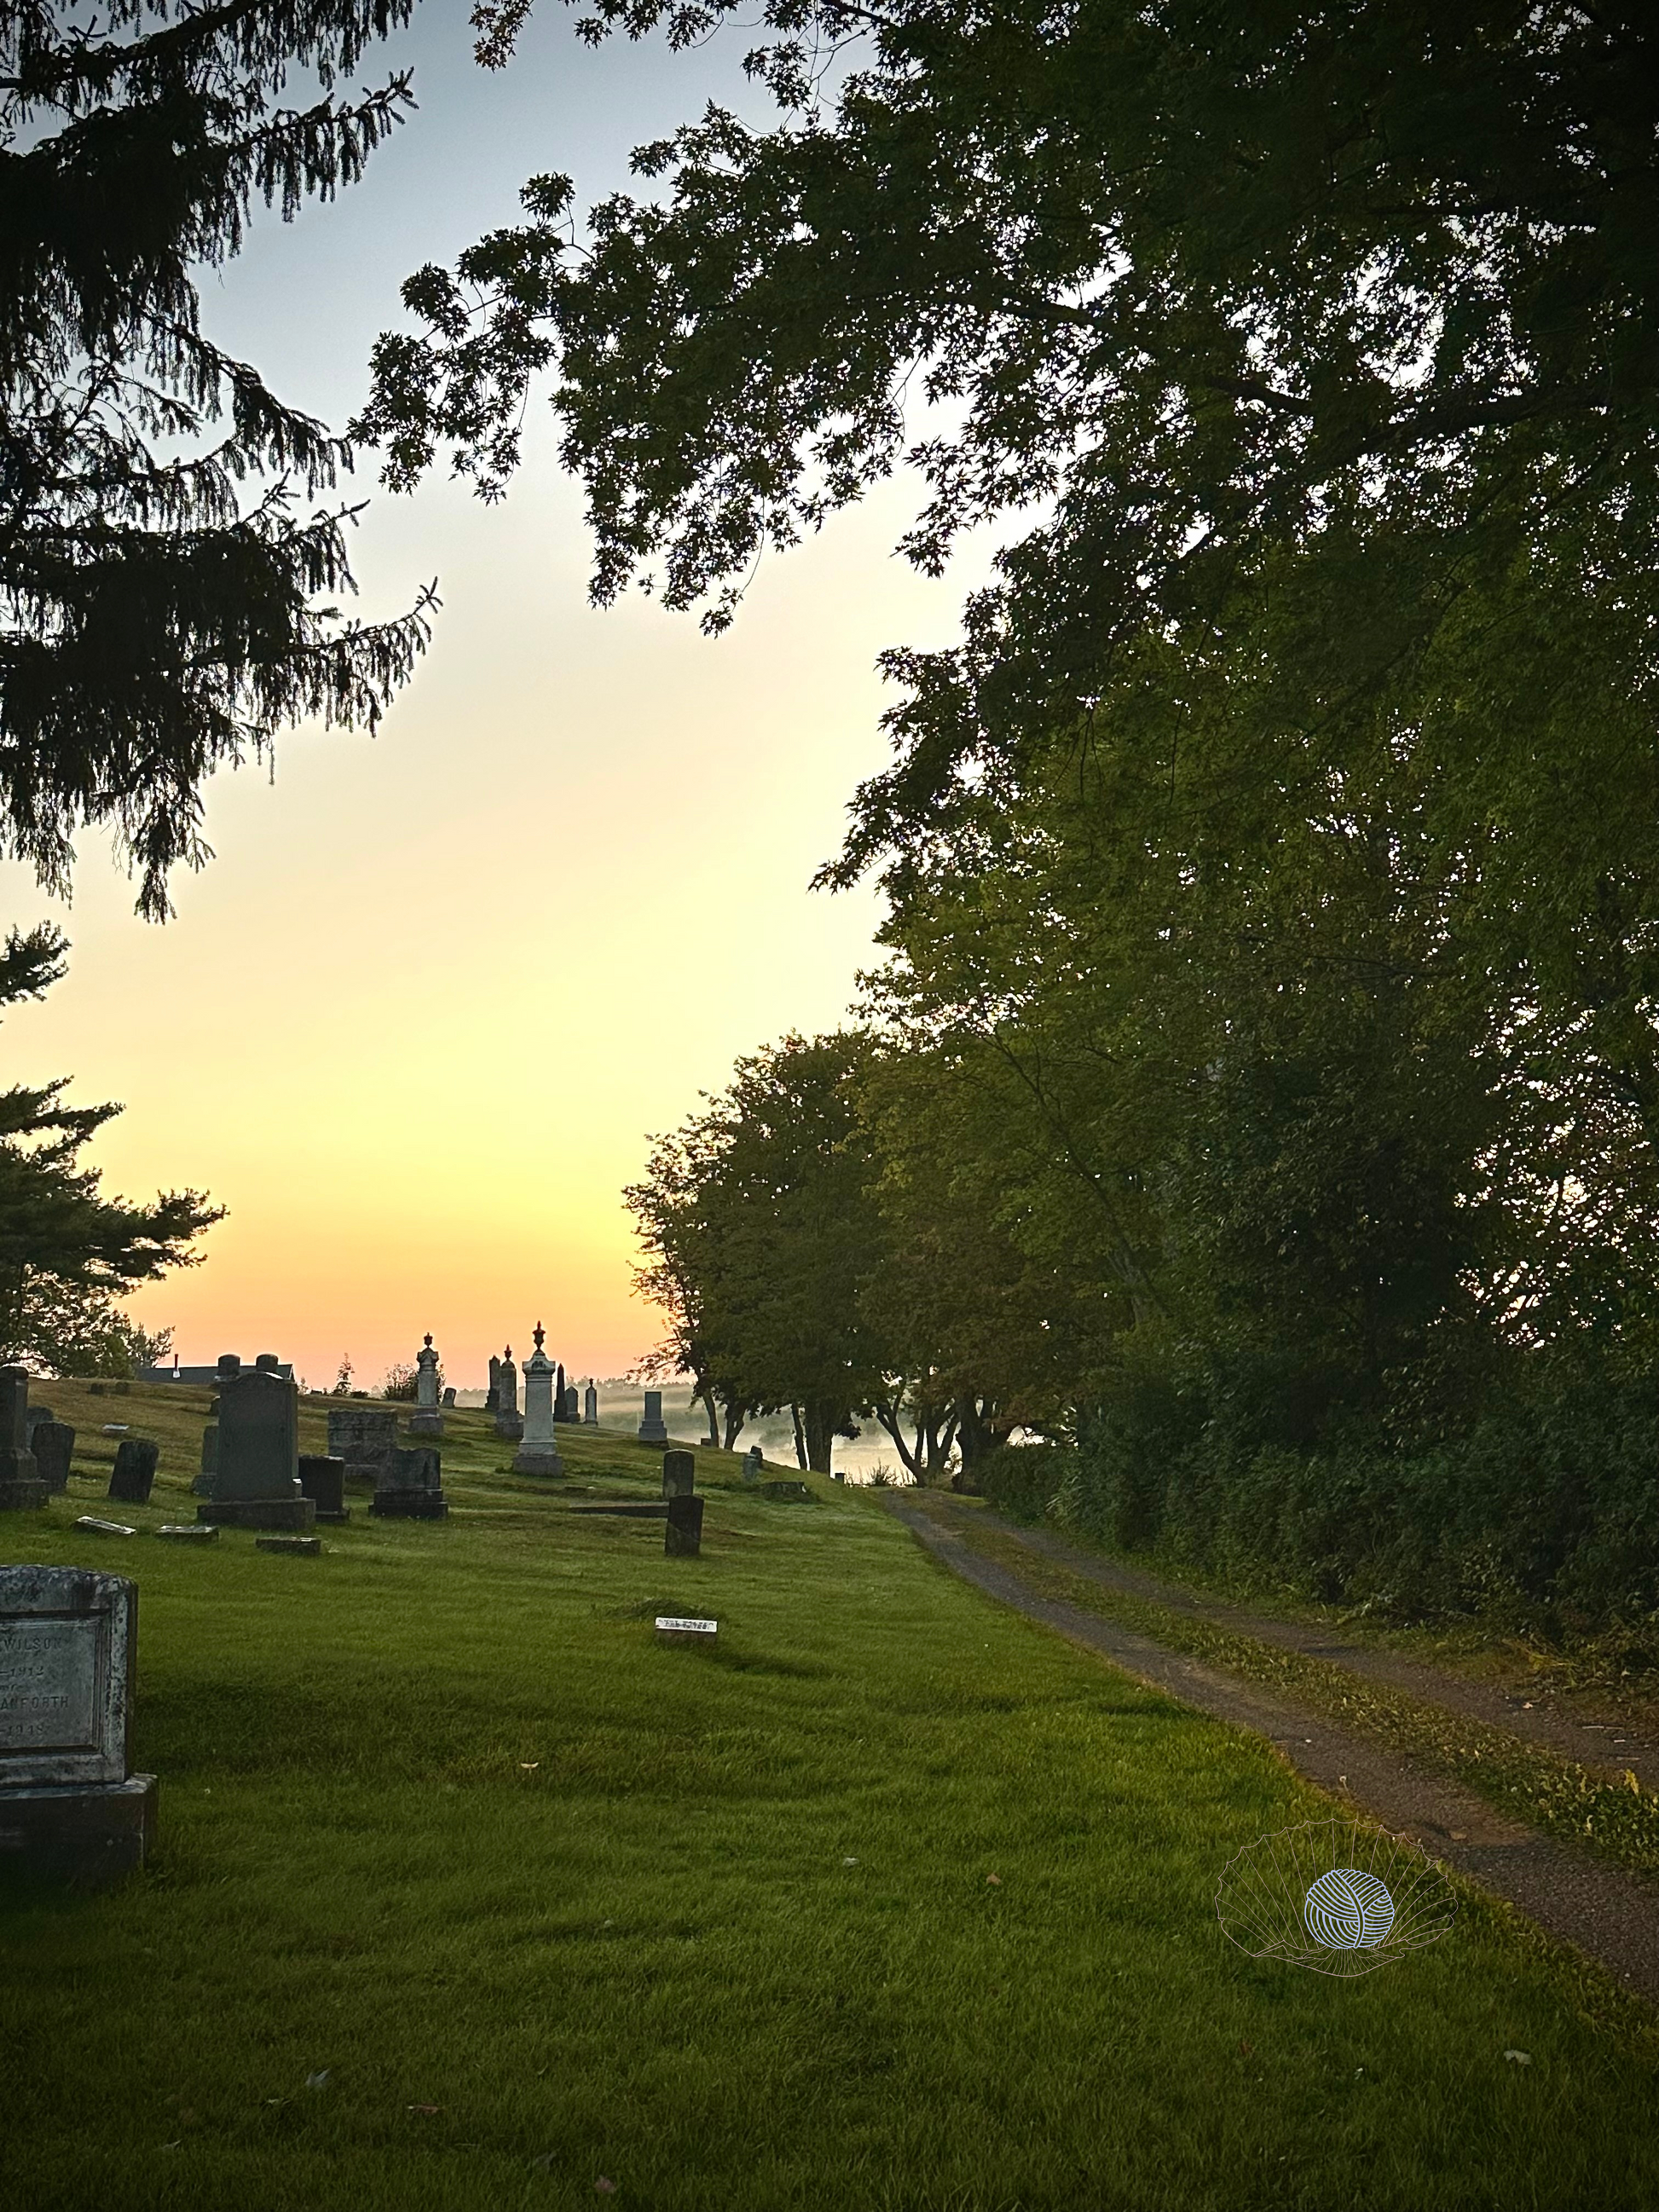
156 621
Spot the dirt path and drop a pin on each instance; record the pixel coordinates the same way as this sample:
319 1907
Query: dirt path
1611 1916
1606 1746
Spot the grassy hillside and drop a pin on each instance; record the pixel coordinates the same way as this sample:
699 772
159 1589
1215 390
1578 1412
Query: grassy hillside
469 1897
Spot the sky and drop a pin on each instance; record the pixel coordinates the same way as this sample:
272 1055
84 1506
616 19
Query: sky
414 1023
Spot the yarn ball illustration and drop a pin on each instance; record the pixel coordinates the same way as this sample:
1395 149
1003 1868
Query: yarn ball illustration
1347 1909
1338 1897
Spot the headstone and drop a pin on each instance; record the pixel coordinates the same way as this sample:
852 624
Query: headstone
426 1421
679 1474
256 1482
510 1422
753 1460
54 1448
672 1629
70 1810
311 1545
539 1454
682 1537
203 1486
411 1489
493 1395
590 1407
134 1475
32 1417
784 1494
366 1441
20 1484
560 1404
652 1430
322 1478
449 1400
190 1531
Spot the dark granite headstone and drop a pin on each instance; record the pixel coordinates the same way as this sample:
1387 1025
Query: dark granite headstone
682 1537
135 1471
366 1441
20 1479
410 1490
256 1482
54 1448
679 1474
323 1481
70 1811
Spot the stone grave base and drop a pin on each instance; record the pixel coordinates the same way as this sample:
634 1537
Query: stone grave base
425 1425
311 1545
658 1435
23 1491
88 1837
510 1425
539 1460
190 1531
297 1514
409 1504
784 1493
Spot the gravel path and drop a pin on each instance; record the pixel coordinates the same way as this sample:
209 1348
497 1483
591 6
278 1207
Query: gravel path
1611 1916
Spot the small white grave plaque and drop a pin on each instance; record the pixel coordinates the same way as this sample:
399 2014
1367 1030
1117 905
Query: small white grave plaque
105 1528
668 1624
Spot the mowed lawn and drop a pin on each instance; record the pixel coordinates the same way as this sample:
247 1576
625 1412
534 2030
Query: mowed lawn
470 1896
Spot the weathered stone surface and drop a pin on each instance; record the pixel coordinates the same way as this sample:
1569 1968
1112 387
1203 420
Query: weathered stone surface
322 1478
133 1477
682 1537
68 1646
679 1474
426 1421
259 1442
411 1489
366 1441
94 1527
54 1448
590 1407
190 1531
784 1494
510 1422
203 1486
85 1838
539 1454
651 1429
752 1464
21 1485
311 1545
297 1514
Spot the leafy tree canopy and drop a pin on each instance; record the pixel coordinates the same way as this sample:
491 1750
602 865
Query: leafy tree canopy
1267 310
153 623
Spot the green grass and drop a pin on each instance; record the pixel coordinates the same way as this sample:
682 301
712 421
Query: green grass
440 1819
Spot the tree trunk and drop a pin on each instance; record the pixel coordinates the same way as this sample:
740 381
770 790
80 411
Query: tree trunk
823 1419
736 1415
891 1419
800 1439
705 1397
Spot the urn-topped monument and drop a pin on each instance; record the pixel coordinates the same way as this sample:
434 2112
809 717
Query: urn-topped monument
539 1454
426 1421
510 1422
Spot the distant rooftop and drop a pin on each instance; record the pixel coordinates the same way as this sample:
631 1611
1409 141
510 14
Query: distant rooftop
178 1374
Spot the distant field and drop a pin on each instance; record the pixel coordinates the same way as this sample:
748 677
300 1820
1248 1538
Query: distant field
471 1898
